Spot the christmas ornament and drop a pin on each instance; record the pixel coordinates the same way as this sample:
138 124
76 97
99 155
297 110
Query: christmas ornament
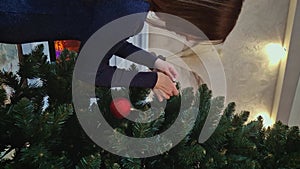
120 107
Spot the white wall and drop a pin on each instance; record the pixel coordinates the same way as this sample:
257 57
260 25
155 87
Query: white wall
251 80
289 70
294 119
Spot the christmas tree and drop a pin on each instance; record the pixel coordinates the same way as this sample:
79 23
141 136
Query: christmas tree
39 127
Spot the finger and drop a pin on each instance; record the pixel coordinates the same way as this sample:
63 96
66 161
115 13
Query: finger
165 95
162 95
160 98
168 86
165 84
167 91
158 95
171 76
174 73
175 91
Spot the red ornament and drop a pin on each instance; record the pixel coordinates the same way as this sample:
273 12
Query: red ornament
120 107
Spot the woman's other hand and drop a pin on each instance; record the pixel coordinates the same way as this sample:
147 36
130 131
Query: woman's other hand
166 68
164 88
160 95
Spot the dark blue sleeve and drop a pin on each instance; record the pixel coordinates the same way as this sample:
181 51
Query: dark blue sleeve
114 77
25 21
135 54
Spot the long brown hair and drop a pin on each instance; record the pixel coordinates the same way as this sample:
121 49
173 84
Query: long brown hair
215 18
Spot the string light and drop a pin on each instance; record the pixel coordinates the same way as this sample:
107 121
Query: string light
275 52
267 120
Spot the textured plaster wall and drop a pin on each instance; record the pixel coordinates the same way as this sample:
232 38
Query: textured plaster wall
251 80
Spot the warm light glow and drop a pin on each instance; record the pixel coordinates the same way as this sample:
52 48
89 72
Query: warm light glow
275 52
267 120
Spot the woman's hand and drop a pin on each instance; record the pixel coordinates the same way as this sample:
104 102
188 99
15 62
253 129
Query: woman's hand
164 87
166 68
160 94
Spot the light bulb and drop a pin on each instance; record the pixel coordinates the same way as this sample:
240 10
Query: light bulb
275 52
267 120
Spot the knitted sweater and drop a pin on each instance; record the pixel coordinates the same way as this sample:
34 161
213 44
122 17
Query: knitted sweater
23 21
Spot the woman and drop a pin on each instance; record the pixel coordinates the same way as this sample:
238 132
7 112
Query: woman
24 21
